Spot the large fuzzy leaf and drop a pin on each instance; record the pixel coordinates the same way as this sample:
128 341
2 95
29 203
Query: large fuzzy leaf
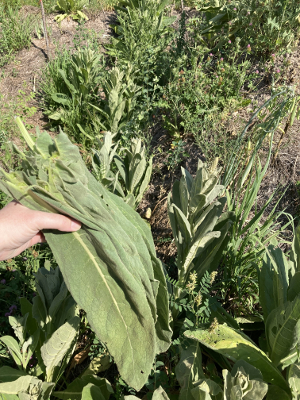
160 394
13 348
294 380
189 369
283 330
109 266
91 392
74 390
21 384
59 344
273 280
237 346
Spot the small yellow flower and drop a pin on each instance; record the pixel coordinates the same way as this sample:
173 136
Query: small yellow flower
192 282
198 299
213 277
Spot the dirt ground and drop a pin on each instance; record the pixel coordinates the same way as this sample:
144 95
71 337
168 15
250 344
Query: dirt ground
285 172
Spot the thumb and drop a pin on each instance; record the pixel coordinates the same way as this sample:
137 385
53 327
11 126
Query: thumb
44 220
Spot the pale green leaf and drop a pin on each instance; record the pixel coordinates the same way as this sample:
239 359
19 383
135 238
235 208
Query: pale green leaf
98 364
283 330
58 345
13 348
237 346
21 384
294 381
92 392
114 258
207 389
160 394
74 389
189 369
273 280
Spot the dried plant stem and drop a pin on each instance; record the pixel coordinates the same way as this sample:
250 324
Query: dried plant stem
45 29
283 133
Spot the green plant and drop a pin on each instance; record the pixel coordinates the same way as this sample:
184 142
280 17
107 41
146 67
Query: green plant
70 86
268 26
114 253
250 235
47 331
198 225
243 382
39 31
14 106
201 93
175 154
132 166
200 232
279 299
71 8
253 230
144 33
141 21
15 32
120 100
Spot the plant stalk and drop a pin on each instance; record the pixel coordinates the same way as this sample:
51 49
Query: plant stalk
45 29
283 133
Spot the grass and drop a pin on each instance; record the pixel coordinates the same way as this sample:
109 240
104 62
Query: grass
16 30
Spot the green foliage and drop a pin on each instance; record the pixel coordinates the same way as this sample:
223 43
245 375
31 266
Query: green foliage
15 33
144 33
71 8
244 382
134 171
201 92
16 278
114 253
46 332
70 86
198 228
176 154
189 80
251 234
279 298
189 369
237 346
140 25
120 100
77 388
266 25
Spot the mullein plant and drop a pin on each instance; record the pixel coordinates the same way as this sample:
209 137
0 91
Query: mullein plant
109 265
133 168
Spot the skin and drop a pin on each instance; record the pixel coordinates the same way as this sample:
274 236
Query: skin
21 228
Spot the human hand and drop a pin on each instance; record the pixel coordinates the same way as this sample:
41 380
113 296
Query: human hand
21 227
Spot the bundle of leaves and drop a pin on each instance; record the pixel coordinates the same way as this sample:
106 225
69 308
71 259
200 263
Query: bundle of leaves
70 86
109 265
70 8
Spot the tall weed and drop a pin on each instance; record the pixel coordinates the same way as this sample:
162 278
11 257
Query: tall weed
15 31
70 86
202 92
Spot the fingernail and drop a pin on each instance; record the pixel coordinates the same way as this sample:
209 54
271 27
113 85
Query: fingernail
75 225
